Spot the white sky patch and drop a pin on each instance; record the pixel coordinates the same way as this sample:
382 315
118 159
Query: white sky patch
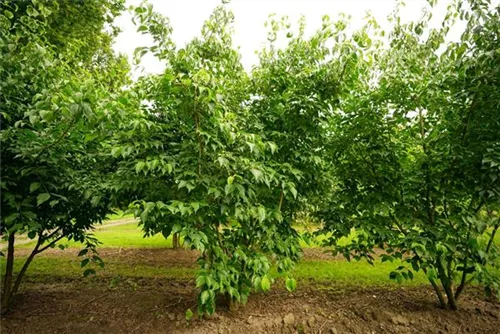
250 35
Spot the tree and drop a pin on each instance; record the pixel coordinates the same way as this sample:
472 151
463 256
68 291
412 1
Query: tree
208 177
415 154
54 110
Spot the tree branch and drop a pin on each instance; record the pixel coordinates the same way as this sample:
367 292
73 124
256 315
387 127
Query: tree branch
53 242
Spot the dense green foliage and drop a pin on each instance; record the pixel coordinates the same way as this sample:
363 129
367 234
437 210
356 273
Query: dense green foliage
391 139
415 151
197 167
55 102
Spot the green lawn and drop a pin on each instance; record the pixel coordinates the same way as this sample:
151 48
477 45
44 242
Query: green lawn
126 235
349 273
129 235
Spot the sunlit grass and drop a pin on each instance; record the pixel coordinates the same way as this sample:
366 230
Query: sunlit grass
354 272
118 215
45 268
130 235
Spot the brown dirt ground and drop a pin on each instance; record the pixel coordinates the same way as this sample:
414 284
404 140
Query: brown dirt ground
153 305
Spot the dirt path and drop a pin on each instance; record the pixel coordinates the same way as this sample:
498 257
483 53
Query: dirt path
166 257
23 239
159 306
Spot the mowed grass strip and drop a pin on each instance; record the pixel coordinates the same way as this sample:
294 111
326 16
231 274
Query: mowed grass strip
46 268
129 236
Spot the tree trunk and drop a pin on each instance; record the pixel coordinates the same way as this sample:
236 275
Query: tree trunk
492 238
442 301
7 280
20 276
447 284
176 241
452 302
231 303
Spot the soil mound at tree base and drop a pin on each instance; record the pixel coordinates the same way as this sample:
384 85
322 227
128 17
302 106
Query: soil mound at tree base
149 305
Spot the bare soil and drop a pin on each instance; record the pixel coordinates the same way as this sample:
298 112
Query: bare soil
163 256
154 305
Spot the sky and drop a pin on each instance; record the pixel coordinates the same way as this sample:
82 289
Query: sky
187 17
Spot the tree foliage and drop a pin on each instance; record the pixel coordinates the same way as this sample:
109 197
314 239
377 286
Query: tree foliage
53 112
390 138
211 178
413 153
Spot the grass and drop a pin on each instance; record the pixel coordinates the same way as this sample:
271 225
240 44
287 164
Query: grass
129 235
126 235
46 269
119 215
49 268
352 273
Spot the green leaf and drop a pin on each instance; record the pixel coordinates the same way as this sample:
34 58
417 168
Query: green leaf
47 115
90 137
29 215
84 262
201 281
139 166
32 11
256 173
265 283
204 297
189 314
291 284
195 206
34 186
8 14
261 213
42 198
431 274
83 252
10 218
89 272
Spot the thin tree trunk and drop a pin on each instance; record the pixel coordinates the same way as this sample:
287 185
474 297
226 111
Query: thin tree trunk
452 302
492 238
7 280
463 281
447 284
176 241
442 301
231 303
20 276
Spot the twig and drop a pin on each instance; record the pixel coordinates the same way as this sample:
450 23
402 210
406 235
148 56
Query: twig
94 299
321 327
174 304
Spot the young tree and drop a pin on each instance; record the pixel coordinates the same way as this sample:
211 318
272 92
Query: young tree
196 169
53 112
415 154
